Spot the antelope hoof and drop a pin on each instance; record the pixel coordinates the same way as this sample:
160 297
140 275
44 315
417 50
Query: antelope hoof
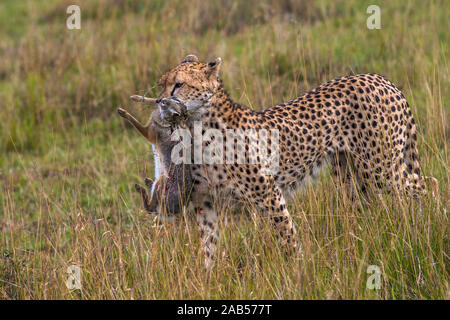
122 112
148 182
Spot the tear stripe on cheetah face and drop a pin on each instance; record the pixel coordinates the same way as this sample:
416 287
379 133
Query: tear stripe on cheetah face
361 122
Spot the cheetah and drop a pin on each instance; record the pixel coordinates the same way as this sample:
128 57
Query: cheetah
360 124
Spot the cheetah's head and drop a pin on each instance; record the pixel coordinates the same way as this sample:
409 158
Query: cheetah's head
191 82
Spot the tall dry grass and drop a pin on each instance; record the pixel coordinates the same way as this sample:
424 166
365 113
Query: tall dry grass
69 162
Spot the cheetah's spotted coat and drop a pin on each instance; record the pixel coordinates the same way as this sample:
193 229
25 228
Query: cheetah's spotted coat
361 124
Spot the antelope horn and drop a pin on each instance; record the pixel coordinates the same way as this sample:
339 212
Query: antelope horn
143 99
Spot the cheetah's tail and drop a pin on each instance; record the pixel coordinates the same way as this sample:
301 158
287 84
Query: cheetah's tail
411 155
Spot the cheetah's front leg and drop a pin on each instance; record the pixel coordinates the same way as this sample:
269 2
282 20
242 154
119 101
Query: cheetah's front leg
208 223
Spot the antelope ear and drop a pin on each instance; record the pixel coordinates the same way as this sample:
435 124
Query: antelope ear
213 69
190 58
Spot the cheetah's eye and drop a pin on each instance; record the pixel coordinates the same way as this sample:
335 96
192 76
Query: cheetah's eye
176 86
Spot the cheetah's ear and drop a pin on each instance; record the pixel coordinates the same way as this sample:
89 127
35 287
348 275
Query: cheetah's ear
213 69
190 58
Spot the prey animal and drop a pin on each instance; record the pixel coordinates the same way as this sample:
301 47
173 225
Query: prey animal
171 189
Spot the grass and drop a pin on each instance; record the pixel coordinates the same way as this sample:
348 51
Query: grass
68 162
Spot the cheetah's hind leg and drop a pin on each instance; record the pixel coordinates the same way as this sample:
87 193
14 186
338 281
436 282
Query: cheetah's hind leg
343 169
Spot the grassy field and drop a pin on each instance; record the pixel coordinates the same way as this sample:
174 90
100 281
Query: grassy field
68 161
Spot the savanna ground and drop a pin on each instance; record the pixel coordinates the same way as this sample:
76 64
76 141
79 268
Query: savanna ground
68 161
